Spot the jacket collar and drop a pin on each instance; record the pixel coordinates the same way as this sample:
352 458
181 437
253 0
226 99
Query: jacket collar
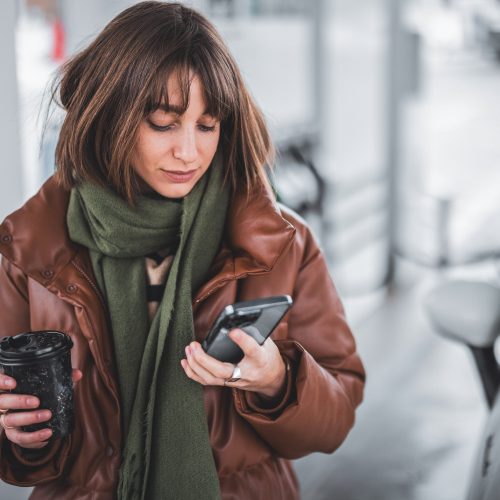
257 235
35 237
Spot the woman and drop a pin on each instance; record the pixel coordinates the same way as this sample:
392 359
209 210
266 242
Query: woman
158 216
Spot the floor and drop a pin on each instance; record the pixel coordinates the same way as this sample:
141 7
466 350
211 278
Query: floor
418 427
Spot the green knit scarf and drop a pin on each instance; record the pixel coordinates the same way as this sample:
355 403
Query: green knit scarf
166 451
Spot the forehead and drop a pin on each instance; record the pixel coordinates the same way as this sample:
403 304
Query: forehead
182 87
177 91
196 103
176 84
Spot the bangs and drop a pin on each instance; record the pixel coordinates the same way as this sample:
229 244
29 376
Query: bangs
220 92
111 86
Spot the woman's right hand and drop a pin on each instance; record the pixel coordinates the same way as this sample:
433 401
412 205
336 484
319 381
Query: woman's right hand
12 422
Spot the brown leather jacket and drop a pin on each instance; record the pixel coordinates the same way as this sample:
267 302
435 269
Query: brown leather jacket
46 282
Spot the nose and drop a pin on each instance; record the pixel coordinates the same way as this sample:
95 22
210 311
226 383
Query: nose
185 147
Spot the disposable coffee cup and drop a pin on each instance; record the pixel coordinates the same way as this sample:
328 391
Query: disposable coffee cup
41 364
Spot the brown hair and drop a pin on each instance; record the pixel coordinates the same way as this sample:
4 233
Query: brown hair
108 88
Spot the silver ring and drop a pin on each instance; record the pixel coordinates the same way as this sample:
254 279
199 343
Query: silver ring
236 375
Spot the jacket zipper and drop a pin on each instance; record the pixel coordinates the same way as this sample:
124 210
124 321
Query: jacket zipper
92 284
103 362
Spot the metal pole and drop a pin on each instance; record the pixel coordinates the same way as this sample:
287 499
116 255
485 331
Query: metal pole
319 42
319 19
394 10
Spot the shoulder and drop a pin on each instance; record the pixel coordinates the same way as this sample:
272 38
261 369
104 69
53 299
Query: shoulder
39 224
305 241
296 220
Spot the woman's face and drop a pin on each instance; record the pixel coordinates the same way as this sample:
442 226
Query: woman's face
173 151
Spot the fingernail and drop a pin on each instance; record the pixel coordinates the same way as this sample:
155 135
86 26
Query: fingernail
9 382
31 401
235 333
43 414
46 433
188 351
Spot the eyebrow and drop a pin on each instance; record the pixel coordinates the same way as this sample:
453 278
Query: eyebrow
172 108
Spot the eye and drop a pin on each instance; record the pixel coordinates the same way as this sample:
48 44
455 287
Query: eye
205 128
159 128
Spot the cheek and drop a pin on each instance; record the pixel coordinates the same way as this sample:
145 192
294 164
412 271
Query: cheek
149 150
210 144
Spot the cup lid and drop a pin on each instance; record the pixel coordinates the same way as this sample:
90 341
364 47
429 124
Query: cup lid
30 347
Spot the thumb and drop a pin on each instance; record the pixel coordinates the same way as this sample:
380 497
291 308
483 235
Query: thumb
245 342
76 375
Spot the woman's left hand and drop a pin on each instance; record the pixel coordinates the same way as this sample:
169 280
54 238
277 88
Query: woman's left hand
262 369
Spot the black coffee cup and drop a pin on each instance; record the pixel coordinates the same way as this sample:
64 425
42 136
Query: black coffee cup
40 362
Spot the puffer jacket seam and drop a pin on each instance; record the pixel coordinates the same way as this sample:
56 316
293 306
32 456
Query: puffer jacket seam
270 458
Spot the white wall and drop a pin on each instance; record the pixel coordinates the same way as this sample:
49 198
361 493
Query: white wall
10 163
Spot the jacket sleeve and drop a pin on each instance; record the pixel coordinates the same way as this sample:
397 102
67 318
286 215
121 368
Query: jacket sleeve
20 466
327 377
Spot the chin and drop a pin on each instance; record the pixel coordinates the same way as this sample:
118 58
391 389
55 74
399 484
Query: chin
167 188
175 191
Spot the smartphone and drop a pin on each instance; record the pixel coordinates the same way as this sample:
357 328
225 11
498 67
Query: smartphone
258 318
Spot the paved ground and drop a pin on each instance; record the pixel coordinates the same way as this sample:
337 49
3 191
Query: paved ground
417 429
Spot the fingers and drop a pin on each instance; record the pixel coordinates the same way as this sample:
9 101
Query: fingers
28 439
12 423
206 368
217 368
76 375
18 419
190 373
245 342
9 401
7 383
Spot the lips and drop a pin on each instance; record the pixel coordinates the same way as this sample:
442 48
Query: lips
179 176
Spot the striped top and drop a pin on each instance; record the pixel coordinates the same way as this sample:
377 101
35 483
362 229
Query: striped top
157 267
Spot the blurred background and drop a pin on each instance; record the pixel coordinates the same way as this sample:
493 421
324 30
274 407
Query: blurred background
386 116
